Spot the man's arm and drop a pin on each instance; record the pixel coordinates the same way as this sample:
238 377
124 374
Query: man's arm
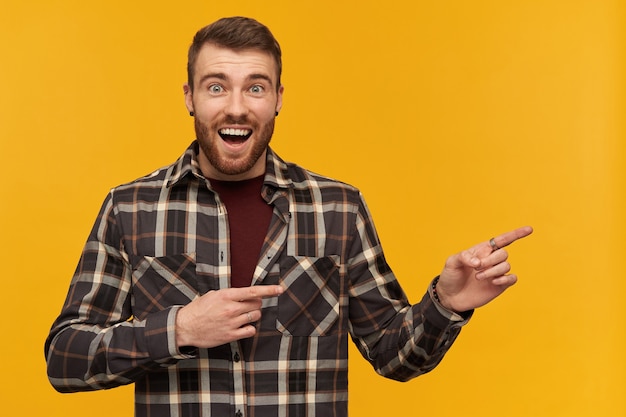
400 340
403 341
95 342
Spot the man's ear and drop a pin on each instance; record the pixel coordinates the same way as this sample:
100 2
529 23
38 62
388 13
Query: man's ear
279 99
188 98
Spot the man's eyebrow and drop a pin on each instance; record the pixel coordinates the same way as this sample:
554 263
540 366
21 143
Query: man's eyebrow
260 76
222 76
218 75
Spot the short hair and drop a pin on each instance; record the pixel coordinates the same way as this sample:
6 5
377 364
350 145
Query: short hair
237 33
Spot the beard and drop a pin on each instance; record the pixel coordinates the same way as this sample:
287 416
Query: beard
207 136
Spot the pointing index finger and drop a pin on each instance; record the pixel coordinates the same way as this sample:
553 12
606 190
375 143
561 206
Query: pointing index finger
507 238
256 291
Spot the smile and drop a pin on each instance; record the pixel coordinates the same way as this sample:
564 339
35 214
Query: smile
232 135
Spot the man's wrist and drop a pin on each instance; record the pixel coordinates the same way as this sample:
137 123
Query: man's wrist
179 330
441 298
183 346
437 296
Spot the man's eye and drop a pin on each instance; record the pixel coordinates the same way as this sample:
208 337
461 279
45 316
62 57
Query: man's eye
215 88
256 89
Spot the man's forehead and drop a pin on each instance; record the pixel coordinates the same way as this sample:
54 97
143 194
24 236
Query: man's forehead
212 58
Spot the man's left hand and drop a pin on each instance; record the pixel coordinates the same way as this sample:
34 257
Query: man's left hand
476 276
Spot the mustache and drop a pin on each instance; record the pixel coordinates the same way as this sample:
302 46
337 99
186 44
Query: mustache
236 120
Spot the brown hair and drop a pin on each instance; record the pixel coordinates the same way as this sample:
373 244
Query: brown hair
235 33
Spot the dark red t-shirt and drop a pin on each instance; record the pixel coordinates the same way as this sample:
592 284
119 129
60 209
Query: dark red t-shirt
248 218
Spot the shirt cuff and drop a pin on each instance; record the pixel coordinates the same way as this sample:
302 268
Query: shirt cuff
160 334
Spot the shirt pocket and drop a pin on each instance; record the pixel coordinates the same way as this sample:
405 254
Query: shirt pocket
310 304
163 281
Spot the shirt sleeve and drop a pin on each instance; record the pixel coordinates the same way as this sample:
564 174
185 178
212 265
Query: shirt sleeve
400 340
95 343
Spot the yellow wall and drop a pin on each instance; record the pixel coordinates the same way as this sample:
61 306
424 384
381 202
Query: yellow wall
457 119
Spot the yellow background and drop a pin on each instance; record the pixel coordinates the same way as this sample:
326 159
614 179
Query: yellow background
457 119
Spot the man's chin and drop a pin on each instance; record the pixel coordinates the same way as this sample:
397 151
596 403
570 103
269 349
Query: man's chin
237 168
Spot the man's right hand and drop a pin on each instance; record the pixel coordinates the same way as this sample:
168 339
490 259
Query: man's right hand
222 316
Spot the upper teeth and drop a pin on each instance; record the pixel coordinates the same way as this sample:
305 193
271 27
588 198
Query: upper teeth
234 132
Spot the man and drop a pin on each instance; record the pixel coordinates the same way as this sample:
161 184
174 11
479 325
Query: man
229 282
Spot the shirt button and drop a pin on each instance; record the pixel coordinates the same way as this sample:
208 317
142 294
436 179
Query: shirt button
236 358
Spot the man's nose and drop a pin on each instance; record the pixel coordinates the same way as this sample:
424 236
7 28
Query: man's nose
236 105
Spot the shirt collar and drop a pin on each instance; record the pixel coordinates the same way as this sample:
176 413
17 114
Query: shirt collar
276 170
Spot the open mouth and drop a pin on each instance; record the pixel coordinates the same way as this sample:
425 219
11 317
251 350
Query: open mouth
235 136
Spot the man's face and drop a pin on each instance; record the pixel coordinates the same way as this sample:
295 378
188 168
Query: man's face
234 100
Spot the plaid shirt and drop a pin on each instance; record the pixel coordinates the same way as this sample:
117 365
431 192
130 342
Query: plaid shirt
163 240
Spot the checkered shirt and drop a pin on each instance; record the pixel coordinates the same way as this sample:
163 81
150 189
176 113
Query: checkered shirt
163 240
